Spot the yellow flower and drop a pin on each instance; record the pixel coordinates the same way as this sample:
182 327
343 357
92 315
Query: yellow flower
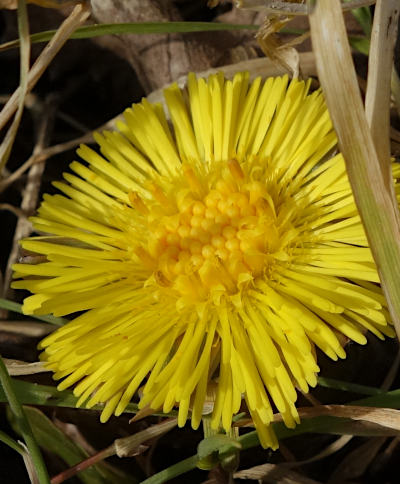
210 255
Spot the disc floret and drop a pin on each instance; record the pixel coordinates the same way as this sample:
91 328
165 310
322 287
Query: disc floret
214 233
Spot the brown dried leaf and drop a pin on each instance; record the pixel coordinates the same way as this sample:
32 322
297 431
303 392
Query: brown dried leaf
17 367
128 446
273 47
377 205
377 98
274 474
386 417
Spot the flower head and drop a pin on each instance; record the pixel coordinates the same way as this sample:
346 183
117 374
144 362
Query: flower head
210 255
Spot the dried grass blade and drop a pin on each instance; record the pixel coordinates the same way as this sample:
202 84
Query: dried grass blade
125 446
356 462
25 52
377 98
396 89
377 207
332 448
17 367
273 473
385 417
77 17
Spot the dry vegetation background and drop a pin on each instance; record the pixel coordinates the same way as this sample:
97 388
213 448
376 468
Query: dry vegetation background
88 84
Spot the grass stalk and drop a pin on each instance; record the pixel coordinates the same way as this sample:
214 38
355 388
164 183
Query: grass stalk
377 206
25 52
18 411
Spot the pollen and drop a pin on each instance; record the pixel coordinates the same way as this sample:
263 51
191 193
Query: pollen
219 233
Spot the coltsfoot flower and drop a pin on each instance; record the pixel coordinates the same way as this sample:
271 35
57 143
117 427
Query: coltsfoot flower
209 255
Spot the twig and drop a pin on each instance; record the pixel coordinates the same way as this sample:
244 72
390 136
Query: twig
32 329
310 397
392 373
256 67
123 447
78 16
25 52
51 151
332 448
287 8
31 192
357 461
72 122
15 210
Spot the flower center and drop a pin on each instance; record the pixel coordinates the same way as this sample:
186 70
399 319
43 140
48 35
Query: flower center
208 232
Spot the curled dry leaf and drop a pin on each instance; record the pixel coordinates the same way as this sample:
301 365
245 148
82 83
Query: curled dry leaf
273 47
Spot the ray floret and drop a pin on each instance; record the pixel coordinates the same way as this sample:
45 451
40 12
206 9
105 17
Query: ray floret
208 256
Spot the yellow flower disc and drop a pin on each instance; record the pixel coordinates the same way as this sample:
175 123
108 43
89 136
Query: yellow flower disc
207 255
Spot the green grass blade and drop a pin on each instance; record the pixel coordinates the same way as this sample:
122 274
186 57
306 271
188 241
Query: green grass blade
6 439
361 44
23 425
331 425
90 31
53 440
35 394
364 18
348 387
17 308
173 471
25 52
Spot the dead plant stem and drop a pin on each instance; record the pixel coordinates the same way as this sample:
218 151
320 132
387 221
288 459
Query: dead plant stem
78 16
